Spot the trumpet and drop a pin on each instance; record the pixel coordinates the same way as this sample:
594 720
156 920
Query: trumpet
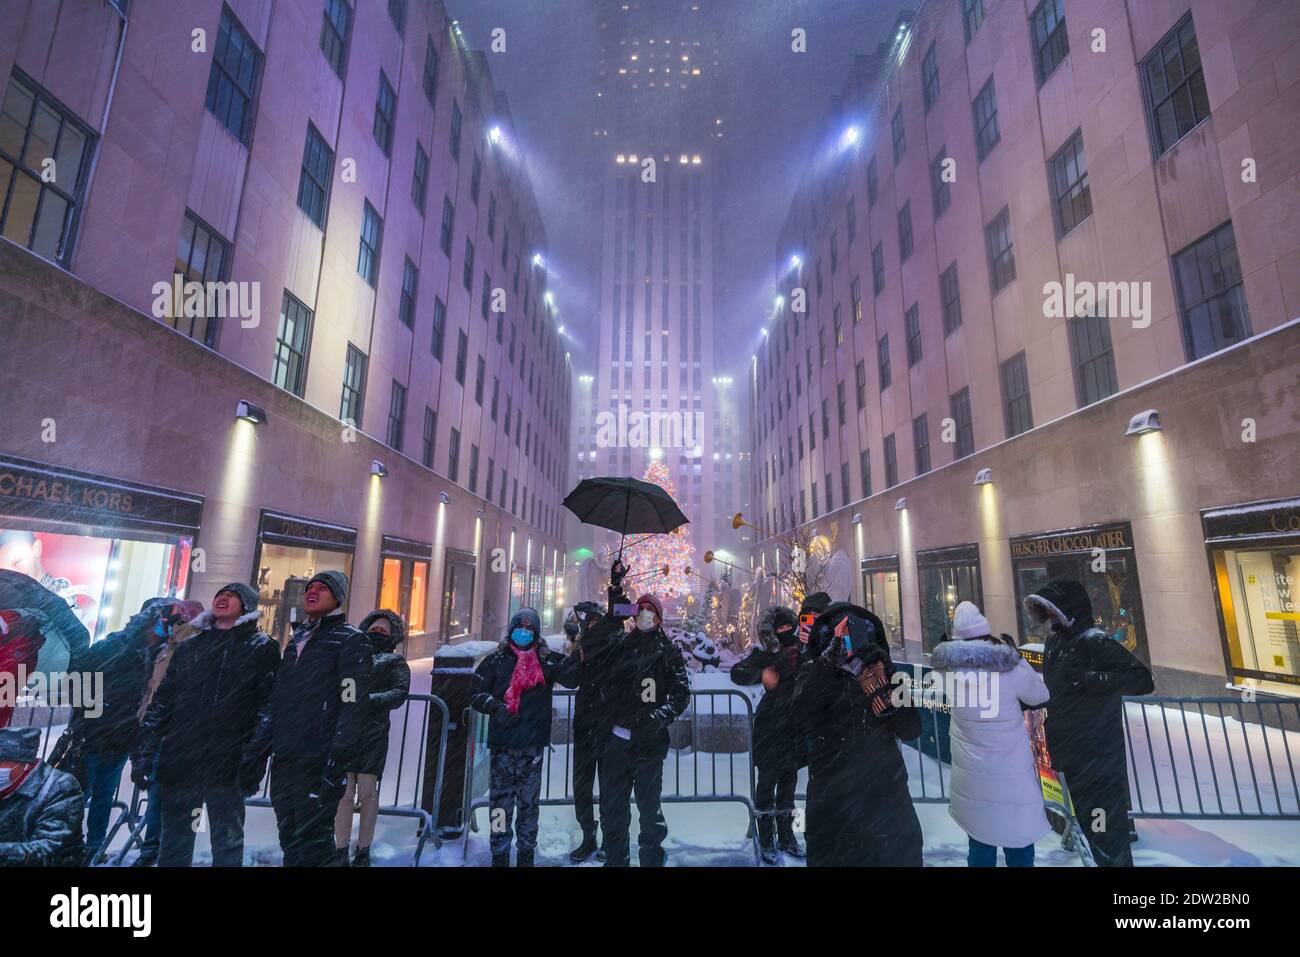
710 558
738 522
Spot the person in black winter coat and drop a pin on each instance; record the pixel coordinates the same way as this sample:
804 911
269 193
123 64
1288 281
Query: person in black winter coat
645 689
316 719
390 683
1088 673
40 806
196 739
779 747
587 627
107 730
513 686
859 811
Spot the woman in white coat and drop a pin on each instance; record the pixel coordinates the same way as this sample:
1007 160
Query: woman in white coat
996 795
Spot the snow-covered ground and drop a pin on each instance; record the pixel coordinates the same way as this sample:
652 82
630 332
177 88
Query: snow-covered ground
1190 759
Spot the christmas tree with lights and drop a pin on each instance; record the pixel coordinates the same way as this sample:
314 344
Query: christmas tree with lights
648 557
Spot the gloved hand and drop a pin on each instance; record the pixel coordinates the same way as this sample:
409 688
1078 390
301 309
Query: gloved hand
140 776
501 714
835 653
333 782
663 717
875 684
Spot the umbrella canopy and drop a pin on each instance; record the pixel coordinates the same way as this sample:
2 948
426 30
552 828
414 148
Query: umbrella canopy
625 505
62 634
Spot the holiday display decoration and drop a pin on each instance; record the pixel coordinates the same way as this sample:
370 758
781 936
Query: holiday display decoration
659 563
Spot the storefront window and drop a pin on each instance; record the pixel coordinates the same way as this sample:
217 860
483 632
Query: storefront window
283 572
535 589
947 577
1101 559
516 589
881 594
404 588
548 609
457 595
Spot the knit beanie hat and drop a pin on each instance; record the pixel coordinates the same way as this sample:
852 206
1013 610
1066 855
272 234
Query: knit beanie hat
525 618
335 581
650 601
246 594
967 622
815 604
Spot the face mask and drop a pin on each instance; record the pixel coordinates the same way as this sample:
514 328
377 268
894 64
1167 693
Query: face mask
522 637
645 619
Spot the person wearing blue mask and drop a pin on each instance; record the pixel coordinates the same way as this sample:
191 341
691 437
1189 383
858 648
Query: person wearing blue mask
513 687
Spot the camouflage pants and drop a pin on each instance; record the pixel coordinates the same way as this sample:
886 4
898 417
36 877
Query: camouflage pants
516 785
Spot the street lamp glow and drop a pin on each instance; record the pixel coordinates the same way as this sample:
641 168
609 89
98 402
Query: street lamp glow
561 330
765 332
550 299
537 259
850 137
795 262
779 301
494 134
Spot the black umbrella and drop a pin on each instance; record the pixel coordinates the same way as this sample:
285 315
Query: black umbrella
63 633
625 505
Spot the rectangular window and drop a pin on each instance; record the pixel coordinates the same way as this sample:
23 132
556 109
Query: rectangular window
491 476
334 30
292 344
385 114
930 77
410 285
453 456
844 483
882 362
855 294
940 188
372 234
1015 395
814 500
959 403
921 442
851 219
1047 31
232 81
397 11
492 215
1211 297
912 326
860 382
480 377
430 438
1067 173
972 15
839 326
420 178
1175 86
201 256
475 177
354 387
485 298
439 328
462 355
878 269
396 416
315 176
905 232
453 139
891 461
1002 259
473 468
36 214
985 112
864 470
467 275
430 71
898 134
950 294
840 407
448 220
496 397
873 183
1094 359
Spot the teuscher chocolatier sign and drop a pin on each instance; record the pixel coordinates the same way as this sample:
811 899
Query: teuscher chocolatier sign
1104 537
45 493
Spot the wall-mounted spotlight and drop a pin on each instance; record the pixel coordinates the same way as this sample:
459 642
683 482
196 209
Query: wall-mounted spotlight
901 504
479 512
765 331
250 413
857 518
378 469
561 330
444 498
537 259
1144 422
984 477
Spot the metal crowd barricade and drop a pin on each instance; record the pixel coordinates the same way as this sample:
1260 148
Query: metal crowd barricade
709 756
1213 758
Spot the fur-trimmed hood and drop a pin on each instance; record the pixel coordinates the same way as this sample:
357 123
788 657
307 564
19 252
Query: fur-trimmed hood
974 654
396 625
1064 603
205 620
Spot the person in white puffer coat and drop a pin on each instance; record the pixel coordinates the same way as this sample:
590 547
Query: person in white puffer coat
996 795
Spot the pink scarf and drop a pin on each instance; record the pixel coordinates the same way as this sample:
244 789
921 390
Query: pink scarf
527 674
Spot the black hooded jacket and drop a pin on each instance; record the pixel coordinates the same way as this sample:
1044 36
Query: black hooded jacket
778 742
1088 673
641 657
390 684
859 809
212 703
40 821
587 670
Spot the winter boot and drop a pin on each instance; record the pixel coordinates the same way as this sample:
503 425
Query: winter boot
501 860
767 846
147 858
788 843
340 857
584 850
525 857
362 857
600 854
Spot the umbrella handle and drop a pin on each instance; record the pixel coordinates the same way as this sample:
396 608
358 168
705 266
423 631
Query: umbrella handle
627 509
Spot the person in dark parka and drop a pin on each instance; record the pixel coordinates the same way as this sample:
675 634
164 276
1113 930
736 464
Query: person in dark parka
779 745
513 686
646 689
588 628
196 739
390 683
316 718
1088 673
859 811
40 806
